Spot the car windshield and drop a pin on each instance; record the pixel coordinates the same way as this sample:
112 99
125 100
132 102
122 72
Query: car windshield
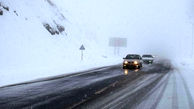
132 57
148 56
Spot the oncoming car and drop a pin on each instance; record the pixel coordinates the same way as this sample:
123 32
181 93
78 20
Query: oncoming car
132 61
147 59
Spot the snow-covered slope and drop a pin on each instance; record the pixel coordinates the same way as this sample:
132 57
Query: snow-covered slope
28 51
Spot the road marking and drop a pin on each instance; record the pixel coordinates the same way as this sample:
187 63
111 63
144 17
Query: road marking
105 88
101 90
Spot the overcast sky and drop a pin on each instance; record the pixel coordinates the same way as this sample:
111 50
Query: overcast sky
152 26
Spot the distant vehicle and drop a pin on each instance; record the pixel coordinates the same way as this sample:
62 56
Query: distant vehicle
132 61
148 59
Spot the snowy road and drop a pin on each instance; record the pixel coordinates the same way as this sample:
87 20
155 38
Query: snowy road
153 87
171 93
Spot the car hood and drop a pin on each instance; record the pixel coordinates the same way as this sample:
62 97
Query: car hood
131 60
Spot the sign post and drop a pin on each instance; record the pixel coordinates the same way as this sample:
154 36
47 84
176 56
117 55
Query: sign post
82 48
117 43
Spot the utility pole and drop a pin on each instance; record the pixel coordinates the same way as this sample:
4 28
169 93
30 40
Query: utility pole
192 40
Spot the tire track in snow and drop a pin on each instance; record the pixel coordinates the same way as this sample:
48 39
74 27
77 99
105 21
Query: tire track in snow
189 96
154 106
148 92
175 96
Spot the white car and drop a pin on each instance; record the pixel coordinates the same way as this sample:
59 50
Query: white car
148 59
132 61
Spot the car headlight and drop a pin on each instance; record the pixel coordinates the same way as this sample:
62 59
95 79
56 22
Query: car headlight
135 62
125 62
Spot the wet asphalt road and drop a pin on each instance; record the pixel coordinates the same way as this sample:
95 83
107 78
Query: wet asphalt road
107 87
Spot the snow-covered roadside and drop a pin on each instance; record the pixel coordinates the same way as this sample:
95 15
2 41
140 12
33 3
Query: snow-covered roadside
29 74
186 68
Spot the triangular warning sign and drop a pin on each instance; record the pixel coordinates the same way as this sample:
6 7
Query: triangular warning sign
82 47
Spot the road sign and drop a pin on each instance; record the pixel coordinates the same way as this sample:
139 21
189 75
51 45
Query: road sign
117 43
82 48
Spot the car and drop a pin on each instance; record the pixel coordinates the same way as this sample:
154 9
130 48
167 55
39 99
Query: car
147 59
132 61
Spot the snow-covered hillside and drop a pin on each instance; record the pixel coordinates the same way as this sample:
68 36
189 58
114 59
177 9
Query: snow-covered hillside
28 51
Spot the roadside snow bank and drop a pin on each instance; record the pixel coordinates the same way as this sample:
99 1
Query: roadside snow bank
186 68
